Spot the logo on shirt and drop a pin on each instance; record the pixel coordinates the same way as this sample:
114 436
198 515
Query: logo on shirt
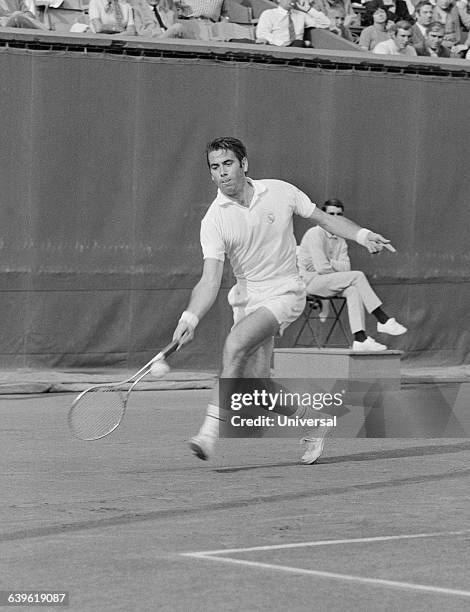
270 218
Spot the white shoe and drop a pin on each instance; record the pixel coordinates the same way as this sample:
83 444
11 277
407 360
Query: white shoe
391 327
369 344
202 446
314 446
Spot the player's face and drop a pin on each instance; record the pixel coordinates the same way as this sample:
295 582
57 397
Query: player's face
227 172
425 15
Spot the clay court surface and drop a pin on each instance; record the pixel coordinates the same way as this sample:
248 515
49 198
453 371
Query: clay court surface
135 523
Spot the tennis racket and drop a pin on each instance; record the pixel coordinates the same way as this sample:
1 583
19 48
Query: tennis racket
98 411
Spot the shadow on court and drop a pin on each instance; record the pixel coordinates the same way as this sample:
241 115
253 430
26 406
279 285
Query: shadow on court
111 521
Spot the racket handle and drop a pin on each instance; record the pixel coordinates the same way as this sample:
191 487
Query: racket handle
168 350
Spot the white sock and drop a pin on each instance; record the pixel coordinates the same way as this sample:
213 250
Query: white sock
210 426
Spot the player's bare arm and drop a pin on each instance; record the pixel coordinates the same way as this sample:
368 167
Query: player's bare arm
202 298
345 228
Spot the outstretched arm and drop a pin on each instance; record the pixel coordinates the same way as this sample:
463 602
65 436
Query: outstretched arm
203 296
343 227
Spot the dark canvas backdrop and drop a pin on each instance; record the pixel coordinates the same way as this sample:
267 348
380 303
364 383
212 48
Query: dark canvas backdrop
104 184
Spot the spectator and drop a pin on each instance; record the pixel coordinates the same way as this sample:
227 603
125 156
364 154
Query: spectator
377 32
424 17
447 13
111 17
20 14
150 21
433 46
398 10
351 18
337 18
400 41
463 7
284 26
461 49
326 270
198 9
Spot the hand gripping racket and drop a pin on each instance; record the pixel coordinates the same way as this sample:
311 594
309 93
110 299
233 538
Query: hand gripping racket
98 411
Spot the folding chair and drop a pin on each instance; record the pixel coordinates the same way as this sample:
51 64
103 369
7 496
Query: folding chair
311 320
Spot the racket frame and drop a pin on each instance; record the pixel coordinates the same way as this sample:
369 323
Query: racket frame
134 379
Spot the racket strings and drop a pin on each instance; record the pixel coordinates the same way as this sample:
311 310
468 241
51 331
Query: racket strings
98 412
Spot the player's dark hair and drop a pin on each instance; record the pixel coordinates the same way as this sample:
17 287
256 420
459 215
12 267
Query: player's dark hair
333 202
227 143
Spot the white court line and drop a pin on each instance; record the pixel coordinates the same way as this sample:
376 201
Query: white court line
411 536
217 555
347 577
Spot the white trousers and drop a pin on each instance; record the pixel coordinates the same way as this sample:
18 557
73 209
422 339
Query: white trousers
352 285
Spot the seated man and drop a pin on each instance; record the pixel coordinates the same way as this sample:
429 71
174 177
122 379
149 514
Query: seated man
151 19
351 18
326 269
20 14
447 13
399 43
424 17
284 26
111 17
337 17
432 45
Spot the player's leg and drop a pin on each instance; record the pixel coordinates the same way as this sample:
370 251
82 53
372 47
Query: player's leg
259 362
328 285
254 331
259 366
249 344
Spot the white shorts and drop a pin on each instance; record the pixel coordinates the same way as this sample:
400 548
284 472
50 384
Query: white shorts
285 299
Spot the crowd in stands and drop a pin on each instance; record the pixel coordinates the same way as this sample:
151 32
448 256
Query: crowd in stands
436 28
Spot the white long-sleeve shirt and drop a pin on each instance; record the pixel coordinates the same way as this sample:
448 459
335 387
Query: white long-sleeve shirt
273 24
322 253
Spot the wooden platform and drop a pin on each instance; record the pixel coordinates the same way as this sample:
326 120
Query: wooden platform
377 374
299 362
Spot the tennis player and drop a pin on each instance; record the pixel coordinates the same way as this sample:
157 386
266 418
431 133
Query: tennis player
251 223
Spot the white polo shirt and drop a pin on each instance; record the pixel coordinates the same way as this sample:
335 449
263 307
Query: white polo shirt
258 240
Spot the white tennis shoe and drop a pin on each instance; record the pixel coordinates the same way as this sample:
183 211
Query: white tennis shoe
369 344
314 445
203 446
391 327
